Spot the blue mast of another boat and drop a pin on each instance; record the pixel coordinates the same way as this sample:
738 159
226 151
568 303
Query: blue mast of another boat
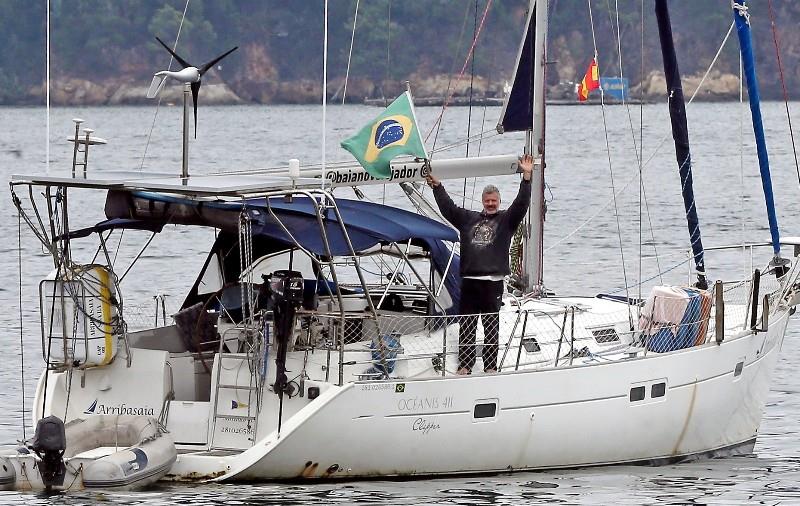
742 19
680 133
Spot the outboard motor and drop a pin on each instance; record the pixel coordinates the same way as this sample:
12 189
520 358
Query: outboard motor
286 295
49 443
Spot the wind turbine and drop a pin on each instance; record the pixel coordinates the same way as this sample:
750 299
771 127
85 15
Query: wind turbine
189 74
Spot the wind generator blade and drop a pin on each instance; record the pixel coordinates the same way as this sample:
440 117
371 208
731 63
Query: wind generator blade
204 68
174 54
195 91
156 85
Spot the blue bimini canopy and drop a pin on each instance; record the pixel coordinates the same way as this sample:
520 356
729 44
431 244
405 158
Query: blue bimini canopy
367 224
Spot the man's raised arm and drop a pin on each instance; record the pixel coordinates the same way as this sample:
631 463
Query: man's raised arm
451 212
516 211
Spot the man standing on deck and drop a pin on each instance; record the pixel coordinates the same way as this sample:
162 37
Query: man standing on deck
485 241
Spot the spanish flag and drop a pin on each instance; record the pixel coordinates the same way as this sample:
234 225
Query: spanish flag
591 81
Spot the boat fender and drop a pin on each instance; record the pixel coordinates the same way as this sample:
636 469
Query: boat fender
49 443
8 474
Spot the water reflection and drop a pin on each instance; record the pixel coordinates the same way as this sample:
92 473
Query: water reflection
739 480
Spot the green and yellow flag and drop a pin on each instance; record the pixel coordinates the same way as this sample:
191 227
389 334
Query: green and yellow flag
393 133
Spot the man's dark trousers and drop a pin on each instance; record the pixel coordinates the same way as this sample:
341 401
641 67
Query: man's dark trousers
483 297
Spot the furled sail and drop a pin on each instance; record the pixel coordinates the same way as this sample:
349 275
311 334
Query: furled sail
742 20
517 113
680 133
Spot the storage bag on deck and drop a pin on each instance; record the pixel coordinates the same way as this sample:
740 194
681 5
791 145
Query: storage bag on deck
674 318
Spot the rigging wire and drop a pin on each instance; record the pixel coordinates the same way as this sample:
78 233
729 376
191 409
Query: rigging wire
656 150
388 50
741 166
641 140
783 85
480 135
642 189
21 341
47 97
611 169
450 75
480 144
658 275
350 53
158 104
59 259
40 233
636 148
119 245
460 74
324 91
625 103
388 69
471 83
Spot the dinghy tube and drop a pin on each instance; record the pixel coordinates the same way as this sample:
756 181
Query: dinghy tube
145 452
8 475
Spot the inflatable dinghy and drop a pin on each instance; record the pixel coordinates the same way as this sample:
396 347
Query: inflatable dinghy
100 451
7 474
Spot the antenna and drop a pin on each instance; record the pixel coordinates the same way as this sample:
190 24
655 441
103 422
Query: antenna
189 74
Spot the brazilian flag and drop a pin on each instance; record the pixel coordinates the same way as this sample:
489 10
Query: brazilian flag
393 133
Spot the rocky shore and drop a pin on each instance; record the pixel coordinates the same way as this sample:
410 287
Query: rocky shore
74 91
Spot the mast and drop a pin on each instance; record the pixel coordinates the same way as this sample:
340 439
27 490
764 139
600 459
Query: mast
680 133
742 19
523 110
533 248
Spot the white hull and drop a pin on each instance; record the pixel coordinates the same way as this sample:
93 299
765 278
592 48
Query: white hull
424 423
558 418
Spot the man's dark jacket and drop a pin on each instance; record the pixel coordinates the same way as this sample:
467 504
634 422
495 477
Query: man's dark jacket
485 238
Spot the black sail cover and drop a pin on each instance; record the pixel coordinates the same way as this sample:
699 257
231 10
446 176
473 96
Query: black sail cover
517 114
680 133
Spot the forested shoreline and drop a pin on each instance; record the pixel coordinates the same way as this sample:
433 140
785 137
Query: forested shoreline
104 51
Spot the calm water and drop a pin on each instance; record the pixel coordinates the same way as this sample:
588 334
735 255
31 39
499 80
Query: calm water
586 259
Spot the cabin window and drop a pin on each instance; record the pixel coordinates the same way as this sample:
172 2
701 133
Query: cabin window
485 410
531 345
739 368
658 390
608 335
637 394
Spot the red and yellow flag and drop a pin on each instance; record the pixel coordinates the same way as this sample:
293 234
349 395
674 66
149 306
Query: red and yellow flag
591 81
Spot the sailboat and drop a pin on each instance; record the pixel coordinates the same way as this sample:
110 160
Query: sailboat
288 361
